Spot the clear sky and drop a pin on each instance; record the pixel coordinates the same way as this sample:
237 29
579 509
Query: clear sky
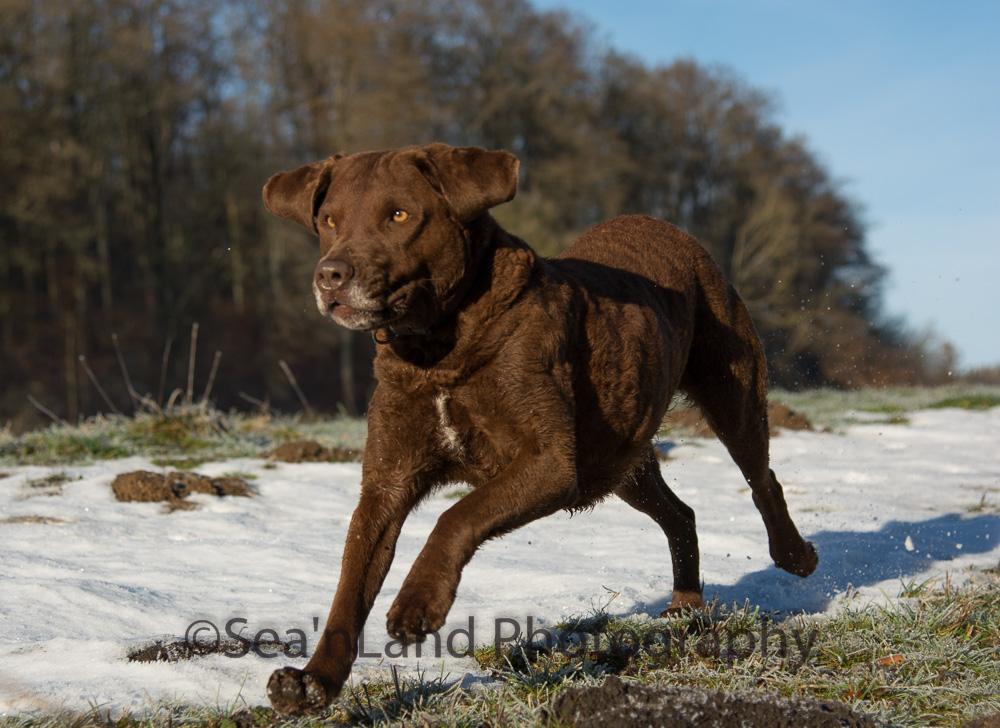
900 99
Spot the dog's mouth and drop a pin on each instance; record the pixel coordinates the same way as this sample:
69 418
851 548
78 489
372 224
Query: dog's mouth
356 317
364 313
336 309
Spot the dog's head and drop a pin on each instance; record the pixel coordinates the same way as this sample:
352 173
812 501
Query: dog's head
392 227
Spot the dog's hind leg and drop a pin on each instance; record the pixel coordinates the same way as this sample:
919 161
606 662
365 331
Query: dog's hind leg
726 377
645 490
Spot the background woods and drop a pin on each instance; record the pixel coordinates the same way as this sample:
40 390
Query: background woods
137 135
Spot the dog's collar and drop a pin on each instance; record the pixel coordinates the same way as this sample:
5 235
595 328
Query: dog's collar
391 333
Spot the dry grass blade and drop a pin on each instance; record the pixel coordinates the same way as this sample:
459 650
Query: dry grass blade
97 385
189 395
295 386
163 371
47 412
211 378
136 405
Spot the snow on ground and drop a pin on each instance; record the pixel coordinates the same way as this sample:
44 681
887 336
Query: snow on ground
881 502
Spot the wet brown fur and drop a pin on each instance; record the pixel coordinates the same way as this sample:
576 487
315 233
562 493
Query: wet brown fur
540 383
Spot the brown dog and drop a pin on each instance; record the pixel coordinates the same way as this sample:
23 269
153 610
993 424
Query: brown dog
540 383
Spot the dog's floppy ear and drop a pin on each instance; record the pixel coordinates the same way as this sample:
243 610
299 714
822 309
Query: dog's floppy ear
297 195
472 180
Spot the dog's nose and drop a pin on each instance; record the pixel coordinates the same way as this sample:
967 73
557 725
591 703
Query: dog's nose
332 274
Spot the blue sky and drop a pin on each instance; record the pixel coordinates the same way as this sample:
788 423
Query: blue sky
900 99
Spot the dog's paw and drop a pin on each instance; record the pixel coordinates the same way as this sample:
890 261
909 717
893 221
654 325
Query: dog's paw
801 564
681 600
296 692
413 616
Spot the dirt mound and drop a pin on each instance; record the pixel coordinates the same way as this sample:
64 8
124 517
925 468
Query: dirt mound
176 650
688 420
778 415
35 519
310 451
143 486
985 721
617 704
691 421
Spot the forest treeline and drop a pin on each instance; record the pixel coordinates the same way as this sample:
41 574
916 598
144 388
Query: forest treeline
137 135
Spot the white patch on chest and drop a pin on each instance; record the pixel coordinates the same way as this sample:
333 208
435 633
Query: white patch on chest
446 430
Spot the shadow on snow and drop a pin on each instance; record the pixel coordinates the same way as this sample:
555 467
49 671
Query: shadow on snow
863 558
866 558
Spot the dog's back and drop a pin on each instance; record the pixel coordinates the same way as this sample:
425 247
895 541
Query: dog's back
644 275
656 250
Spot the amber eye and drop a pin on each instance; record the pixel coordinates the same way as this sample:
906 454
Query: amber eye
330 222
400 216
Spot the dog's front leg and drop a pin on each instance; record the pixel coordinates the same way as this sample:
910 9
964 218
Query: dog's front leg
371 543
534 485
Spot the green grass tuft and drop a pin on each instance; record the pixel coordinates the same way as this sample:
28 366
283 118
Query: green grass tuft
179 463
969 402
181 438
837 409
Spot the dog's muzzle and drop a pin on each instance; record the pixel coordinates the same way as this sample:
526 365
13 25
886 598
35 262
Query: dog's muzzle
339 296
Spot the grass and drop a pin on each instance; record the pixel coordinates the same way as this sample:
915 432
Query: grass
838 409
969 401
827 409
185 437
930 660
47 486
983 506
180 438
179 463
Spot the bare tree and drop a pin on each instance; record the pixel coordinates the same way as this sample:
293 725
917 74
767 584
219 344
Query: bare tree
137 135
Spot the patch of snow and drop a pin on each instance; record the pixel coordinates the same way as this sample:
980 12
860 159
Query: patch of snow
87 580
